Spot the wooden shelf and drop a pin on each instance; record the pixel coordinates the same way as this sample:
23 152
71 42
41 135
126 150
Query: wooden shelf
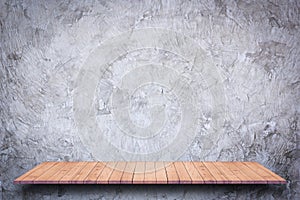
150 173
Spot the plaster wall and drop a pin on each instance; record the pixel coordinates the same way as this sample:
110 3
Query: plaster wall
149 80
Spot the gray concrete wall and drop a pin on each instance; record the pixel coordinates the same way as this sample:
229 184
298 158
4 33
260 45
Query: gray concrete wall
149 80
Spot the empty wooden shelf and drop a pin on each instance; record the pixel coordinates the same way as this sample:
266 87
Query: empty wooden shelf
149 173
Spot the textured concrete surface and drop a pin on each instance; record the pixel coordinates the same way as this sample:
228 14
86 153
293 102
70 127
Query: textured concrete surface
149 80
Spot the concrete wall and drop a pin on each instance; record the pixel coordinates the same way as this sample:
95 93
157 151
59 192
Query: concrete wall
149 80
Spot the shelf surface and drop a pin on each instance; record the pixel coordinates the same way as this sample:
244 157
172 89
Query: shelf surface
149 173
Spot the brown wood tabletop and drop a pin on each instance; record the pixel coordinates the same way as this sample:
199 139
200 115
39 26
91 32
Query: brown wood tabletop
149 173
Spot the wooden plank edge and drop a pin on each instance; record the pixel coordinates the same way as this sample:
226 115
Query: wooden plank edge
29 172
273 174
279 179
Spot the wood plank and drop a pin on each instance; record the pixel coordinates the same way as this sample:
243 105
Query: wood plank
116 175
230 176
32 174
139 173
106 173
73 171
80 177
55 178
172 174
219 177
95 173
204 172
45 177
184 177
127 176
150 176
271 177
160 173
255 178
193 172
245 179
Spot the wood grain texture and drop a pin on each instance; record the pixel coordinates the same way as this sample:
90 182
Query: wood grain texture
216 173
183 175
82 175
150 176
45 178
172 175
94 174
256 179
127 176
149 173
242 175
204 172
117 173
106 173
268 175
34 173
73 171
161 173
56 177
193 172
139 173
230 176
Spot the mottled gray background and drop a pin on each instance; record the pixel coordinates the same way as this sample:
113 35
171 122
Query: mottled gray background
253 114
